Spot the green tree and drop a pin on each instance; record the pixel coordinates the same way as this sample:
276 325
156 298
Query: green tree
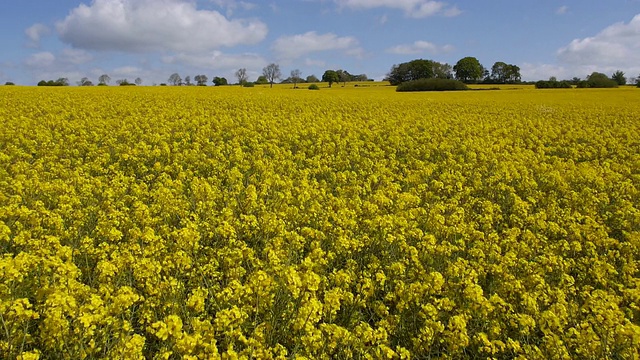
343 76
361 77
409 71
598 80
123 82
330 76
272 73
504 73
442 70
220 81
262 80
619 78
312 79
468 70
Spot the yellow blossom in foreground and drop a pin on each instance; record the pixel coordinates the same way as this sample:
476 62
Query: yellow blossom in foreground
350 222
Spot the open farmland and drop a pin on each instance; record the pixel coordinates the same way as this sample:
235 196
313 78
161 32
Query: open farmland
342 223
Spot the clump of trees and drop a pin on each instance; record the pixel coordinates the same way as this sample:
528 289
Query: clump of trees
598 80
201 80
85 82
59 82
262 80
220 81
503 73
619 78
467 70
418 69
9 83
341 76
432 84
175 79
124 82
553 83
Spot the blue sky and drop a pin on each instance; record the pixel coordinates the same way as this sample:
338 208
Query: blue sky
151 39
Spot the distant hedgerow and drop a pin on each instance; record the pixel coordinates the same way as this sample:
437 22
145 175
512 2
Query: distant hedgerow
433 84
553 84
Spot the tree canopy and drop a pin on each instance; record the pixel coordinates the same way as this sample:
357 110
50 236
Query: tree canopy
272 73
503 73
220 81
619 78
468 70
330 76
598 80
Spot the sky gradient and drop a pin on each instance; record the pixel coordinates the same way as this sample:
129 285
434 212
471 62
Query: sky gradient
152 39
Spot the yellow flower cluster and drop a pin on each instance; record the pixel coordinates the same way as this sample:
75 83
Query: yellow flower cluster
238 223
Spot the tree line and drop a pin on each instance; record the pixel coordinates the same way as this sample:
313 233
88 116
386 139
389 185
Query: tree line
594 80
467 70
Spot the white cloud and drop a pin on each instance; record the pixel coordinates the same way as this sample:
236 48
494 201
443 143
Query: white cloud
217 61
295 46
35 33
76 56
315 63
233 5
420 47
562 10
127 71
617 46
452 12
534 72
154 25
41 60
412 8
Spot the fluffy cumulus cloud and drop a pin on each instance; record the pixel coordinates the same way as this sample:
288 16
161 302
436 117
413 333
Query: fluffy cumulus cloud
412 8
40 60
76 56
35 33
617 46
155 25
534 72
296 46
420 47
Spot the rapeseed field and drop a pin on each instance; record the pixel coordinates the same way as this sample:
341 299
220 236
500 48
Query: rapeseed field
345 223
